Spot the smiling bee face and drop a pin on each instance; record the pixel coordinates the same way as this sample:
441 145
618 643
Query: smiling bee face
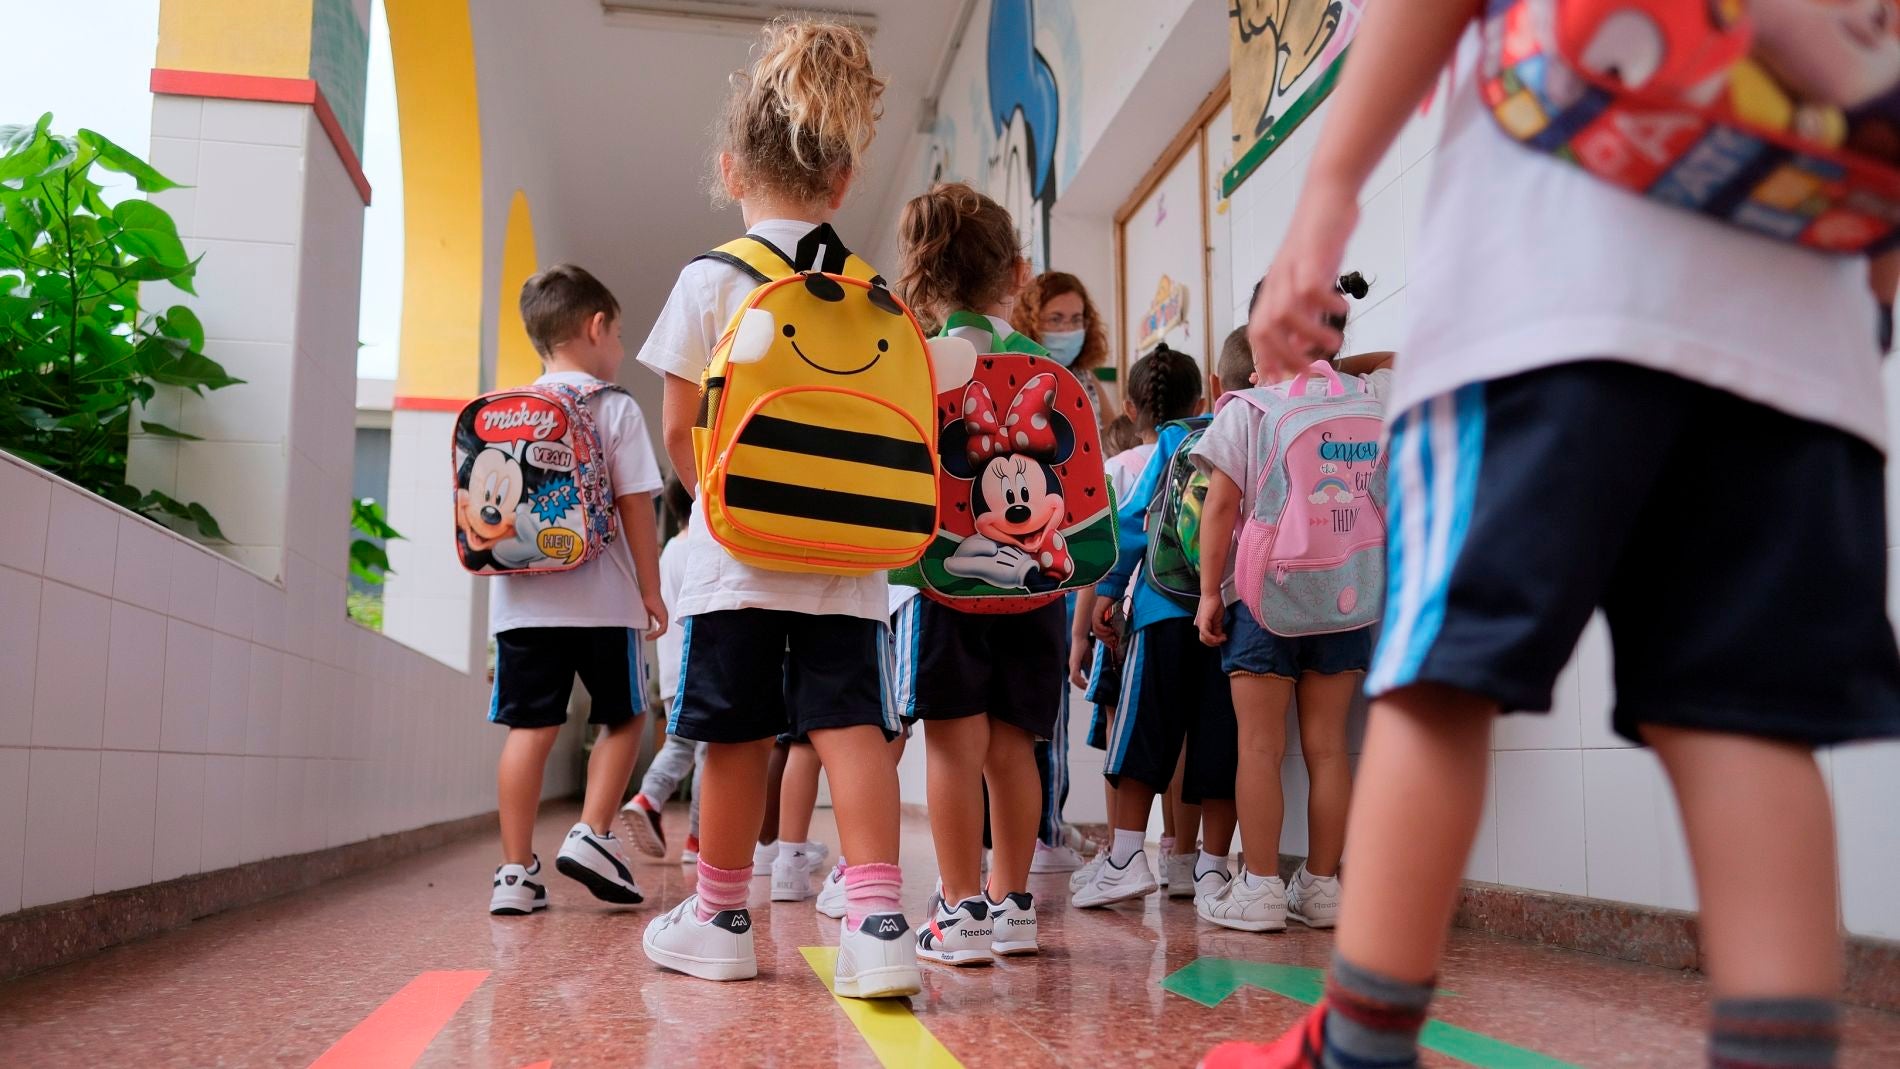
833 333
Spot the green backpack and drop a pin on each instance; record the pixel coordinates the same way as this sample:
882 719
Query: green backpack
1172 563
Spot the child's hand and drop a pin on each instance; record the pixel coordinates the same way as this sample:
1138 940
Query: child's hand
1210 620
1104 611
656 610
1288 329
1078 657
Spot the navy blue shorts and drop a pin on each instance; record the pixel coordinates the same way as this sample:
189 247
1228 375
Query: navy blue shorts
1012 666
535 669
749 674
1740 554
1255 651
1173 695
1104 692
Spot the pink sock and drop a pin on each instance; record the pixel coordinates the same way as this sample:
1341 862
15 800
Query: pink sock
721 889
870 889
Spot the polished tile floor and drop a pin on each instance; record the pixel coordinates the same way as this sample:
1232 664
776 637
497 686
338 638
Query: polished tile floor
404 966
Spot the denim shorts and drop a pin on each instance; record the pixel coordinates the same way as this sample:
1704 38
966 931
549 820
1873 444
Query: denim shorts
1255 651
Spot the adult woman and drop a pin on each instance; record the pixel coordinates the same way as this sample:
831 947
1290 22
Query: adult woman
1056 311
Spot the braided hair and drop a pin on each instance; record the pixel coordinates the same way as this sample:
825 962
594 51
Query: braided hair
1165 385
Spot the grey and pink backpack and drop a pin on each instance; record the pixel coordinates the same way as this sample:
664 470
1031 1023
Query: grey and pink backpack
1312 552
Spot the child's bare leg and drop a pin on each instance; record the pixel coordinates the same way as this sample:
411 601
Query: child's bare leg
1187 817
1218 818
798 793
1755 809
1015 807
897 747
957 750
1134 800
1260 715
774 786
1421 794
609 768
524 757
866 800
1324 703
734 802
1169 810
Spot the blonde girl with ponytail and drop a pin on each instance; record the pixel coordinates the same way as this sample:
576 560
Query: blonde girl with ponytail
771 653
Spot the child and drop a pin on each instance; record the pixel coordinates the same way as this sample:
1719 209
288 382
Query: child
585 622
986 686
641 815
1635 425
770 652
797 858
1265 672
1172 689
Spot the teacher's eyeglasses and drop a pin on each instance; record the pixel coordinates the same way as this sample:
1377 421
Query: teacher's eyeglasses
1062 322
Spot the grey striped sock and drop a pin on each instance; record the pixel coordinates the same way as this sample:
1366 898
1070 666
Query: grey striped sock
1786 1033
1372 1021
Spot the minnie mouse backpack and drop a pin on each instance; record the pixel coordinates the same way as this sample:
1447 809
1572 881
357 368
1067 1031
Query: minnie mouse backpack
532 491
1025 511
1780 116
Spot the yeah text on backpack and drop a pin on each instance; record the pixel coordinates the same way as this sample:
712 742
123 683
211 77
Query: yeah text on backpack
1172 562
532 491
815 442
1311 559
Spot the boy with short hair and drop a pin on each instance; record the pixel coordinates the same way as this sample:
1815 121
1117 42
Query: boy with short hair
586 621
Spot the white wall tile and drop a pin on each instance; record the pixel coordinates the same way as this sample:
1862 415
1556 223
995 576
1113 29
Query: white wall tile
260 825
242 483
29 501
128 794
135 679
250 192
177 159
13 775
1483 863
186 714
1377 247
1555 730
1596 689
62 825
1540 820
82 540
1867 808
69 683
260 284
266 701
177 116
237 602
252 411
178 833
293 717
1294 786
194 585
1634 843
254 122
223 812
286 834
314 809
19 654
152 462
142 570
267 620
228 717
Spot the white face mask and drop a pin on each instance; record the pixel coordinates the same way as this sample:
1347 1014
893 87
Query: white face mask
1064 345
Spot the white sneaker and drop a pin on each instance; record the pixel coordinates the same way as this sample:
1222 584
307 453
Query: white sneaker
689 854
878 959
1112 883
718 949
831 897
600 863
1087 872
791 878
956 935
1211 884
640 819
1013 925
1313 900
1048 858
1249 904
1167 851
1180 881
762 857
518 890
816 855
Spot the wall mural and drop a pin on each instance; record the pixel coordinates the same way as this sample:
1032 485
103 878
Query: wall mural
1285 57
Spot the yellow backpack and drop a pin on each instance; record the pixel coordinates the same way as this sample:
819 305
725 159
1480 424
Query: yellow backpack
816 442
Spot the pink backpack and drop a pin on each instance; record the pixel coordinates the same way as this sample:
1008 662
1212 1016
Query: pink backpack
1312 552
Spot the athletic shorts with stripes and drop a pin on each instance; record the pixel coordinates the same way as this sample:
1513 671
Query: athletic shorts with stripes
1011 666
535 669
749 674
1739 554
1174 694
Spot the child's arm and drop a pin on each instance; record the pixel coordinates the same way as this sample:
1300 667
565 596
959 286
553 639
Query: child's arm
636 524
679 406
1218 513
1395 58
1079 636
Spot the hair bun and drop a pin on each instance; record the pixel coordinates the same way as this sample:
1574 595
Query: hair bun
1354 285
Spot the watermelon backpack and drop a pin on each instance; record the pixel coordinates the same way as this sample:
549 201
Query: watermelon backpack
532 491
1026 513
1312 552
1172 563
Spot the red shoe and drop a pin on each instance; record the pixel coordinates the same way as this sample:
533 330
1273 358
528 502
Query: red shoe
1299 1049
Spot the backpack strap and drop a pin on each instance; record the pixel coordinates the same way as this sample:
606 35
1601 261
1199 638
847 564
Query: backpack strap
819 250
1013 342
757 258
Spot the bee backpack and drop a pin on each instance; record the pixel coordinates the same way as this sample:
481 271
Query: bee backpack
532 490
1172 563
1781 116
1026 512
815 444
1312 552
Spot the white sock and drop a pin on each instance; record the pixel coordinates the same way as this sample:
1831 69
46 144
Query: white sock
1250 879
1307 879
1127 844
789 849
1209 863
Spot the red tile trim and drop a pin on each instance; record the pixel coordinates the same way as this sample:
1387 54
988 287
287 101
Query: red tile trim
429 404
270 90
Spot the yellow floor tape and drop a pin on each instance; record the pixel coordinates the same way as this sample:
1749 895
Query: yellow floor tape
895 1035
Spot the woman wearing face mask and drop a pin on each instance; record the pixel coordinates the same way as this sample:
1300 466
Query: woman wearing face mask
1056 311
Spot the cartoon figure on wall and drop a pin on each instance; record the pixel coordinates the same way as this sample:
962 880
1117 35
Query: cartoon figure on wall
1025 113
1280 53
1016 497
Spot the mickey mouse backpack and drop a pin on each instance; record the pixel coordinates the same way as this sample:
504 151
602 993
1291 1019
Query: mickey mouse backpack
1780 116
532 492
1026 512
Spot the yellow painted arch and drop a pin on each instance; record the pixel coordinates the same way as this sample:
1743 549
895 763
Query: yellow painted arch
516 363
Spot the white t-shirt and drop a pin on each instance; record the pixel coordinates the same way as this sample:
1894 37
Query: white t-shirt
1525 261
670 645
603 592
702 303
1125 467
1228 447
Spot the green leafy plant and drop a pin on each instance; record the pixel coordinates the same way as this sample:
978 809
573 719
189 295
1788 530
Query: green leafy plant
368 562
77 353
